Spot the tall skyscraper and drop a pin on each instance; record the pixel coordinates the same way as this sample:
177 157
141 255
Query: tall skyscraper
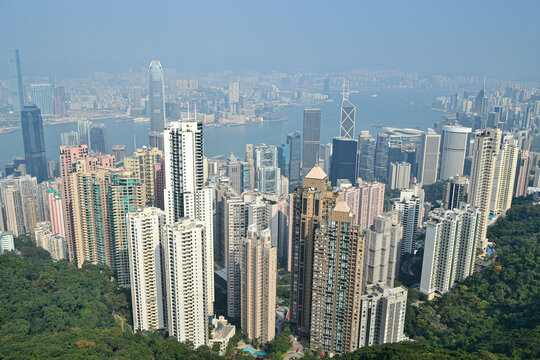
59 100
234 96
15 82
34 142
98 138
13 208
504 176
456 190
41 95
400 175
343 164
383 315
348 113
83 130
382 251
481 103
56 212
259 271
338 256
485 152
449 250
250 159
311 137
310 205
367 161
454 149
268 174
156 96
294 141
187 286
141 165
522 173
381 157
155 139
325 156
146 231
185 193
429 157
119 153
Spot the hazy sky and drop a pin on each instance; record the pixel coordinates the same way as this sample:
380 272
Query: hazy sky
500 38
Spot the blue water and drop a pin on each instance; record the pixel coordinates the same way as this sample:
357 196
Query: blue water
251 351
396 108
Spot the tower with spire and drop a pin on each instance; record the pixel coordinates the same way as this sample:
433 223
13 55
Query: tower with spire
348 114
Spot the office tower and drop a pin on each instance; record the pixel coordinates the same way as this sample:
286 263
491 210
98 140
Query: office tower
156 97
429 157
382 251
325 156
343 160
481 103
234 96
6 241
361 137
522 173
28 192
367 161
59 98
70 138
268 174
146 229
366 201
485 152
98 139
283 159
83 130
185 195
283 230
310 205
311 139
142 165
156 139
504 176
119 153
450 248
56 212
410 209
455 140
456 190
251 161
159 184
239 178
185 266
240 212
13 208
41 95
294 141
383 315
348 113
259 271
381 157
15 82
400 175
338 256
34 142
536 180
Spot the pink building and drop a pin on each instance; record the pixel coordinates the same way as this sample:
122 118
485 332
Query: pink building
56 210
366 201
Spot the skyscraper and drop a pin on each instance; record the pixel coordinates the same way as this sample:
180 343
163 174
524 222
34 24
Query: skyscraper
485 152
259 271
311 137
343 164
455 140
366 201
367 161
185 193
83 130
41 95
15 82
504 176
267 171
98 138
348 113
338 256
119 153
13 208
294 141
141 165
410 209
381 157
34 142
234 96
187 287
450 248
146 231
400 175
429 157
310 205
455 192
156 96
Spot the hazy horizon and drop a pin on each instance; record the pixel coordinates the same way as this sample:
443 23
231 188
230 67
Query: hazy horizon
65 38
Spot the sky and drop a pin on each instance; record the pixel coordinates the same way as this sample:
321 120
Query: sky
74 38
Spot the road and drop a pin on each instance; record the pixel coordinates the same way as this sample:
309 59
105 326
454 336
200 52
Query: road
292 353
